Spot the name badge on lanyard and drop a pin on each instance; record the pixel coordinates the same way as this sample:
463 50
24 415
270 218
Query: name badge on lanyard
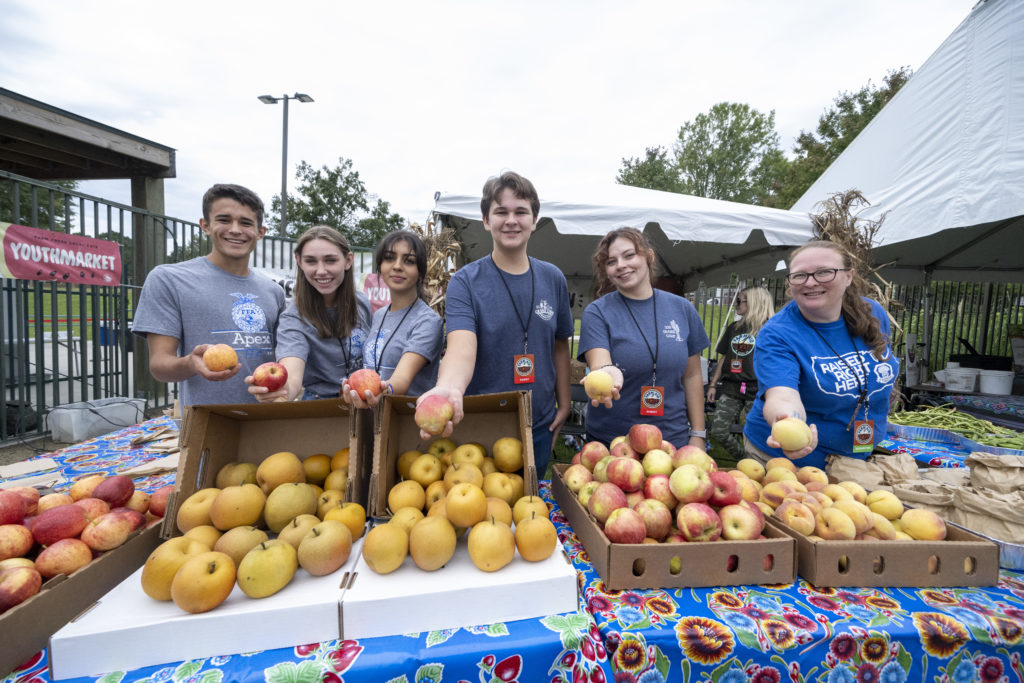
736 365
523 368
652 401
863 436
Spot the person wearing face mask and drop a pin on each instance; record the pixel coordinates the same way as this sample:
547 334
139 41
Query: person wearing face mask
734 385
825 358
321 333
649 341
405 337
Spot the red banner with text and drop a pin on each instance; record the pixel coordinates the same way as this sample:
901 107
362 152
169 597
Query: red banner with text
34 254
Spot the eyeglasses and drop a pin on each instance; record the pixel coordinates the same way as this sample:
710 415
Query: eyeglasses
821 275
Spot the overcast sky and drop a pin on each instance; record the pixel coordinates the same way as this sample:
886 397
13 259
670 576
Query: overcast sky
437 96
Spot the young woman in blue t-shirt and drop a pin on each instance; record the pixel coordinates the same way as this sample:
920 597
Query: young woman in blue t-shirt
824 358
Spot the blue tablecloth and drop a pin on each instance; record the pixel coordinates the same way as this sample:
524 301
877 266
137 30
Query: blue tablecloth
764 634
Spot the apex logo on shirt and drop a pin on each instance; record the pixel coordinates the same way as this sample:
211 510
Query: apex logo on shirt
544 311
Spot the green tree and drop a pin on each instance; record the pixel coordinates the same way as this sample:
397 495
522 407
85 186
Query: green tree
194 246
837 127
336 197
127 252
730 152
655 171
60 219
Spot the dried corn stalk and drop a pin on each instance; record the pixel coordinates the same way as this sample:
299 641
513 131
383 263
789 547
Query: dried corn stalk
442 248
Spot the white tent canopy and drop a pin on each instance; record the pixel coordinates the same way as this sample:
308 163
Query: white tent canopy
944 159
696 239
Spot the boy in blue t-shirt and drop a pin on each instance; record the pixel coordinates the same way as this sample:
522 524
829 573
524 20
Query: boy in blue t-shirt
508 319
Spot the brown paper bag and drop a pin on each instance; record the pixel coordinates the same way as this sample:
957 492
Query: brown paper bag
996 472
929 495
995 514
953 476
867 474
896 467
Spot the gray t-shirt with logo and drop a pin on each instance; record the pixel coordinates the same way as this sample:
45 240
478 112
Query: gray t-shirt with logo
328 361
197 303
416 329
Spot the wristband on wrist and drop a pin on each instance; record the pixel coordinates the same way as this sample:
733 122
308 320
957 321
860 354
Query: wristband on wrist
700 433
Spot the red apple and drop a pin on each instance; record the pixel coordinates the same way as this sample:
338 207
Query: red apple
365 380
66 556
726 489
31 496
433 413
575 476
116 490
601 468
271 376
108 531
626 473
691 455
698 523
13 508
134 517
739 523
17 585
667 447
657 518
64 521
592 453
622 449
625 526
644 437
158 501
657 487
606 498
634 497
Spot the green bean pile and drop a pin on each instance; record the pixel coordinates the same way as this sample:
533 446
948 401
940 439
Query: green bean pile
949 418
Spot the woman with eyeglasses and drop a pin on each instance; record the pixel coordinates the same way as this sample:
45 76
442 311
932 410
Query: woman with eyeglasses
404 342
649 341
321 332
734 385
824 358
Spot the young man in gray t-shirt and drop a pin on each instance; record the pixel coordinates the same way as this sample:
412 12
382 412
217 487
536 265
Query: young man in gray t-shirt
213 299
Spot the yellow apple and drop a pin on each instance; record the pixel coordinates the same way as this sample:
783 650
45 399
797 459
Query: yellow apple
465 504
385 548
406 517
235 474
433 493
195 510
491 545
297 529
536 537
286 502
472 453
330 498
500 485
164 562
406 493
432 542
425 469
499 510
461 472
598 385
237 506
405 460
340 459
508 454
337 480
752 468
267 568
280 468
352 515
206 534
317 467
325 548
203 581
529 506
235 543
440 446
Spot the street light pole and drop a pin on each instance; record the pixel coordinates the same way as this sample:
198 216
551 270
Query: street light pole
270 99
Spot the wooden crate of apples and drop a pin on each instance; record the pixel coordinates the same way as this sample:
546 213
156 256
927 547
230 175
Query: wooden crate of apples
257 527
451 491
60 533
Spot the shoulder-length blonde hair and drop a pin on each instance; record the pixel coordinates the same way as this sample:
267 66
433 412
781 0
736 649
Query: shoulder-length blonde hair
856 311
310 303
760 307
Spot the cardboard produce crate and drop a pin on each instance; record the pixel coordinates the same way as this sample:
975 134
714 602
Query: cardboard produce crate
126 629
488 417
963 559
26 627
214 435
410 600
721 563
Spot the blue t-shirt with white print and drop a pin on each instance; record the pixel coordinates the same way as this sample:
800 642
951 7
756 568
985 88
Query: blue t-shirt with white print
796 353
679 332
478 300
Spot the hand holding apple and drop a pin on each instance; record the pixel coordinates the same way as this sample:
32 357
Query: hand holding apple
602 385
213 362
272 378
438 411
793 436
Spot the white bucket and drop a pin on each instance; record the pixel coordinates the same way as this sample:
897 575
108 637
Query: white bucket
961 379
996 382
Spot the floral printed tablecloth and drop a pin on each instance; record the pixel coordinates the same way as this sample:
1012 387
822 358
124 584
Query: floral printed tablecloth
763 634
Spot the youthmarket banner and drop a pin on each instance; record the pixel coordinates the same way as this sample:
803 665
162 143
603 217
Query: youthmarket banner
34 254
